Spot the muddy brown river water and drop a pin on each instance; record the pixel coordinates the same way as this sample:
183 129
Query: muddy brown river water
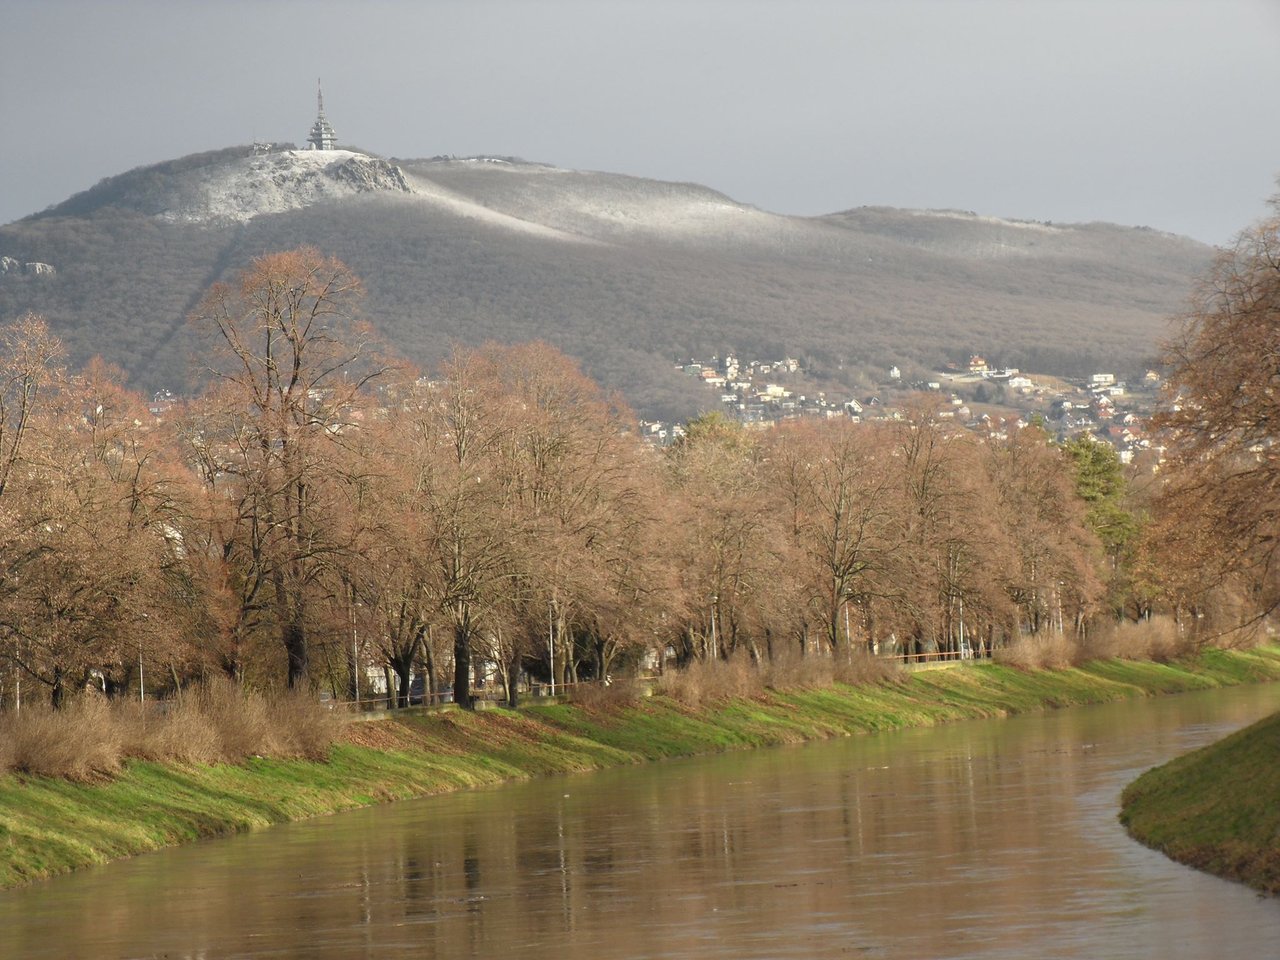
991 839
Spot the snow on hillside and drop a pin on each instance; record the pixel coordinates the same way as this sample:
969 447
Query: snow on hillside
668 215
430 193
608 207
1032 225
270 183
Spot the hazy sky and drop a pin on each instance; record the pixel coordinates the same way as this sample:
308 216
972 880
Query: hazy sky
1155 112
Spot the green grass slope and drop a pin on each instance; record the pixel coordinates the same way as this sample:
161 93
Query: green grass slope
1217 809
50 826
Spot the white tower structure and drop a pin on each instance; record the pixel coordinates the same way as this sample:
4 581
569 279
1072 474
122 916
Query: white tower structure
322 135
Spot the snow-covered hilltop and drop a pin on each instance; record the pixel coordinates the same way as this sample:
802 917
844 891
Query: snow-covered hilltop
276 182
238 184
622 271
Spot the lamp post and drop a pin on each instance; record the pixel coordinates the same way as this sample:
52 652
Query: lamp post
551 646
142 690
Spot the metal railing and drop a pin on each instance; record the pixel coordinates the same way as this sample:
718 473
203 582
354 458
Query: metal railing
935 656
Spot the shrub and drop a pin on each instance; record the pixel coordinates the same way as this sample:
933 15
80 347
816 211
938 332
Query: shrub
712 680
214 722
6 746
614 695
239 717
788 670
303 726
1041 651
81 742
176 730
1156 639
863 667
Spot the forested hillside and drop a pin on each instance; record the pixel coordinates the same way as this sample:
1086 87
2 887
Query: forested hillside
624 274
321 500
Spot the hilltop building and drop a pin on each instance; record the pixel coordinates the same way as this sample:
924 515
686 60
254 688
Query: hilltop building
322 135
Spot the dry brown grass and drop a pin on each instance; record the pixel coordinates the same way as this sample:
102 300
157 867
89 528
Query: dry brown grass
863 667
790 671
80 742
214 723
1041 652
738 677
303 727
712 680
179 731
615 695
1156 639
242 720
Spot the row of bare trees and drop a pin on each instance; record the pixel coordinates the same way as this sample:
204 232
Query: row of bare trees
1220 516
320 508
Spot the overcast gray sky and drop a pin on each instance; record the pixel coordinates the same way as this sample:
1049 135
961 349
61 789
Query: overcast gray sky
1155 112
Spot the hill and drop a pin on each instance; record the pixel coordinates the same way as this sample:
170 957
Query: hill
623 272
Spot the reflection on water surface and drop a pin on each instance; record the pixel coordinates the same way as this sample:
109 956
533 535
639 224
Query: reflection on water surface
985 839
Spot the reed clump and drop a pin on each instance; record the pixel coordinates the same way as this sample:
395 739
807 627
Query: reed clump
739 677
1045 651
216 722
791 671
710 680
81 742
861 667
613 695
1157 639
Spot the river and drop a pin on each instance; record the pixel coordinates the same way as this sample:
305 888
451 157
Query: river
991 839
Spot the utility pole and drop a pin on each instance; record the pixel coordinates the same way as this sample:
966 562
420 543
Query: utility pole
551 646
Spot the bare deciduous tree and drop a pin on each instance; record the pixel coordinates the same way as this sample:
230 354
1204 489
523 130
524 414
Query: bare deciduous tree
1221 418
289 359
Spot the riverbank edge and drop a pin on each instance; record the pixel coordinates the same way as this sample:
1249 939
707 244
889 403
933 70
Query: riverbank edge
49 826
1216 809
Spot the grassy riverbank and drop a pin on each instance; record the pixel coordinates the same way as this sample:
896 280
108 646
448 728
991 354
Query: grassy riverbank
1216 809
50 826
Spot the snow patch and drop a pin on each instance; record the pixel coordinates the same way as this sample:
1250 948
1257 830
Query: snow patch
430 193
660 210
992 221
264 184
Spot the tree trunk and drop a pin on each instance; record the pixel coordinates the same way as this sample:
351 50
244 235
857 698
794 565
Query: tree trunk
389 681
295 645
513 681
353 674
428 669
58 691
602 666
230 663
116 689
403 667
462 665
564 650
